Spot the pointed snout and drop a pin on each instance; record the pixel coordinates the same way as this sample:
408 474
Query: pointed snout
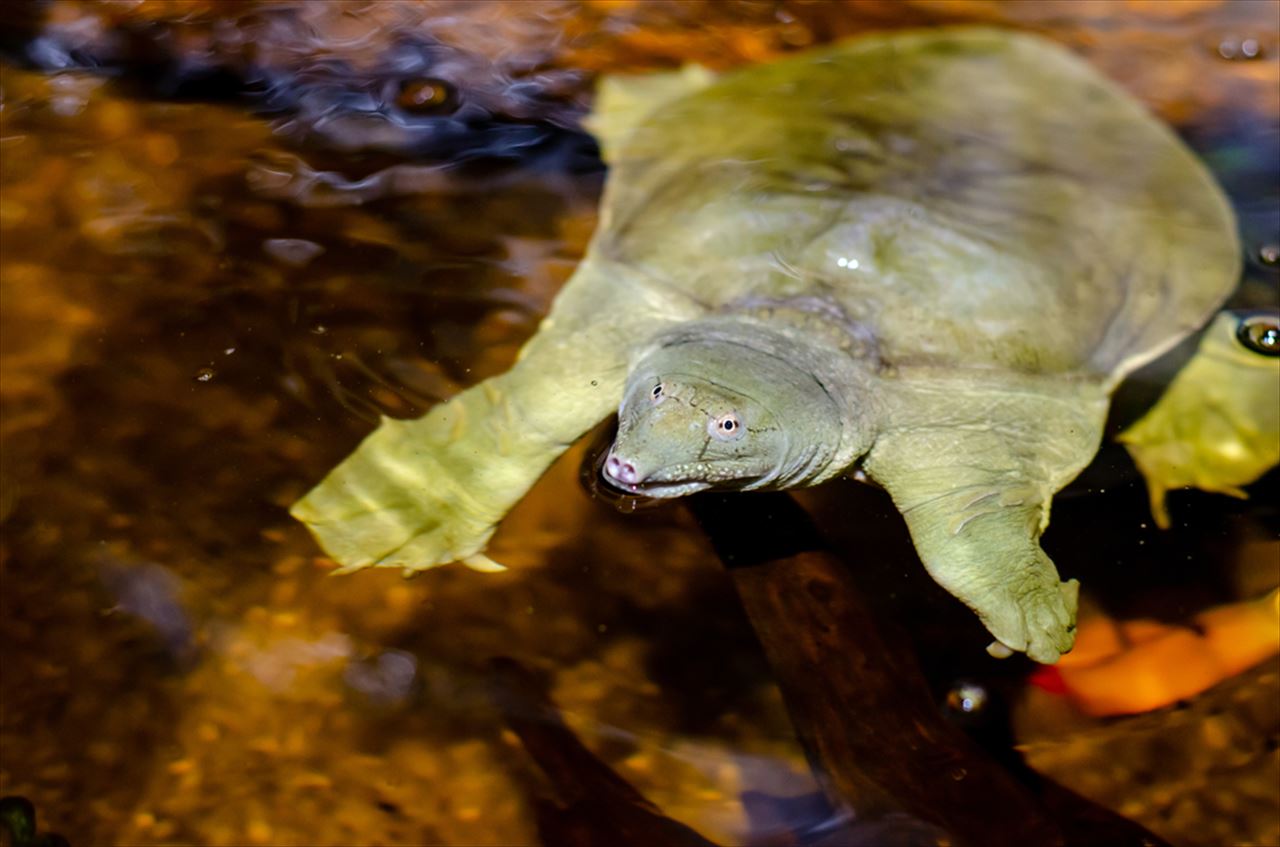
620 470
626 472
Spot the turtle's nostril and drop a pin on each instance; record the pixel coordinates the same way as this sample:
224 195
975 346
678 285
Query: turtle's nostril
620 470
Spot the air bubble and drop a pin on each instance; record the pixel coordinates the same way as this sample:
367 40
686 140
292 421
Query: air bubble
425 96
205 375
966 698
1240 49
292 251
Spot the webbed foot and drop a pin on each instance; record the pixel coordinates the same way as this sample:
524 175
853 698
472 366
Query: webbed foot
1037 618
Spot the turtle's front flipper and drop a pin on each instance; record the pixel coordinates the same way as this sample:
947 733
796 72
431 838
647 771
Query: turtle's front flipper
976 500
421 493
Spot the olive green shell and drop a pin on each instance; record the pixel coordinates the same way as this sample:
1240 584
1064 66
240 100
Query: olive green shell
972 198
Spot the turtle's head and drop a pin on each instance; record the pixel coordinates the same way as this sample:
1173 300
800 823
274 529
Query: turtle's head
716 414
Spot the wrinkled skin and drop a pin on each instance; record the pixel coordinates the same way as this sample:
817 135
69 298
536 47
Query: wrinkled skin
700 415
921 256
1217 426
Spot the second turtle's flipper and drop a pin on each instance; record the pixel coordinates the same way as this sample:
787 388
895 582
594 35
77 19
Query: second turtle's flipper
1217 425
976 500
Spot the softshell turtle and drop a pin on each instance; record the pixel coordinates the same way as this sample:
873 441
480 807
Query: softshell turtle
1217 425
926 257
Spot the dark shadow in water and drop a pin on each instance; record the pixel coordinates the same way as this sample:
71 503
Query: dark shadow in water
868 720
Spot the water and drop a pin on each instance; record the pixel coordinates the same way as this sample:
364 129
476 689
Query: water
232 240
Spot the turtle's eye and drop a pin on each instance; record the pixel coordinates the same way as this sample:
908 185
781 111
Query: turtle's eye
656 394
1260 333
727 427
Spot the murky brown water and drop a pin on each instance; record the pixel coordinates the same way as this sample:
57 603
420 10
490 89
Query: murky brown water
219 265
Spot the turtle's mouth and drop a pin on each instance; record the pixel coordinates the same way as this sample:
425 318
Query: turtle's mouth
666 484
656 489
622 475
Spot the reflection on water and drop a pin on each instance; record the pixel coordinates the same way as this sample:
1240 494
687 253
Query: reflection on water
232 239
